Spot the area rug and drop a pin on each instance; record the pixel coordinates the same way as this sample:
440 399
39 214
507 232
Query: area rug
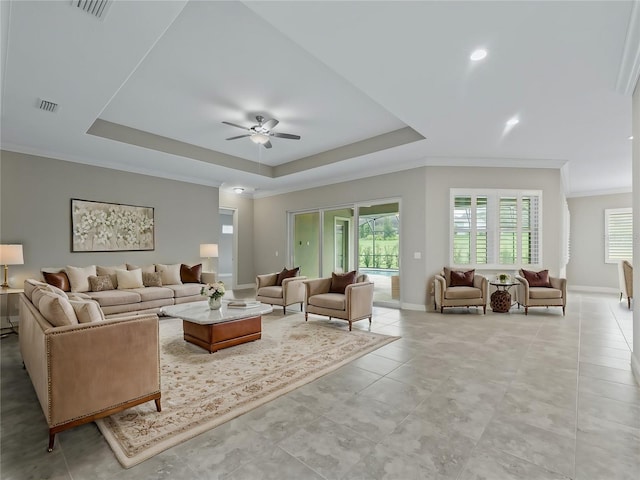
201 390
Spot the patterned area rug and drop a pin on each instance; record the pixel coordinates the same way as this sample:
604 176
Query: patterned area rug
201 390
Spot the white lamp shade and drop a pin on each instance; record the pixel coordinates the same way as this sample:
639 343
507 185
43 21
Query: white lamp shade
208 250
12 255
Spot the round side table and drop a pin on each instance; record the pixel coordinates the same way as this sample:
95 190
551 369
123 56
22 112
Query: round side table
501 298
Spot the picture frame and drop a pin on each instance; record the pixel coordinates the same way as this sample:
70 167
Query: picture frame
111 227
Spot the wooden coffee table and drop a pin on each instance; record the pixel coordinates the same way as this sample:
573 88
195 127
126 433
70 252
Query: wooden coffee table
217 329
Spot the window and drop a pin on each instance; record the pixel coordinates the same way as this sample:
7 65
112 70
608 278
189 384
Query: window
496 228
618 234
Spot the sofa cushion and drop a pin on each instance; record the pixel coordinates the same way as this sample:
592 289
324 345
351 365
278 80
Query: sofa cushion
79 277
186 290
57 310
58 279
191 274
271 292
286 274
111 271
153 293
100 283
151 279
39 291
129 279
334 301
459 293
87 311
144 268
544 292
29 287
537 279
115 297
170 274
339 281
462 279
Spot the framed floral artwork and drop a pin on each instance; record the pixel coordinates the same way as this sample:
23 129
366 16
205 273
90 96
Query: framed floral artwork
110 227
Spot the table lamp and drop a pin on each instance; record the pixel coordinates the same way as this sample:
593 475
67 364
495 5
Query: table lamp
209 251
10 255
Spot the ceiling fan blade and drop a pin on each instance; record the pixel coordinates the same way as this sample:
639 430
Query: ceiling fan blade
269 124
285 135
267 145
236 125
239 136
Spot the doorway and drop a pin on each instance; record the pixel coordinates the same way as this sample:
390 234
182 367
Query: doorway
227 268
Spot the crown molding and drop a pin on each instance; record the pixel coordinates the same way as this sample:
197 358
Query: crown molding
630 62
597 193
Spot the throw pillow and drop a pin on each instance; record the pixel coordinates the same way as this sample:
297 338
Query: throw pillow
286 274
145 269
57 310
151 279
59 280
30 286
87 311
79 277
111 271
462 279
339 281
170 274
191 274
537 279
129 279
101 283
39 292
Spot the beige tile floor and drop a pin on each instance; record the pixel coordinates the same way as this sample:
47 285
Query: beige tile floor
459 396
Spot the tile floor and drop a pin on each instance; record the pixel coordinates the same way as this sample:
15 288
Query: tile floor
459 396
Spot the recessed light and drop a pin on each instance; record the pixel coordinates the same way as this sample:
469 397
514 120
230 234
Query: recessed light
513 121
630 137
238 190
478 54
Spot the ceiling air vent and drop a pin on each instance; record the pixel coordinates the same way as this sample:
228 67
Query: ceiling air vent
97 8
48 106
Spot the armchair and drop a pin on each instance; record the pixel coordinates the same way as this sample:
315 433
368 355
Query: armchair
625 276
291 290
469 293
356 303
533 293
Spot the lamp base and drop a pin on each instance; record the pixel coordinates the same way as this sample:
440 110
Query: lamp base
6 275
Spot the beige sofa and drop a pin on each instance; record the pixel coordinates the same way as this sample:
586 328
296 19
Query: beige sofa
85 371
118 302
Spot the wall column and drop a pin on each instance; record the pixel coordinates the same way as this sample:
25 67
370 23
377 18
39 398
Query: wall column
635 122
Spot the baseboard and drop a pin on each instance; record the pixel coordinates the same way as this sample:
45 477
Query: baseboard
413 306
588 289
245 285
635 367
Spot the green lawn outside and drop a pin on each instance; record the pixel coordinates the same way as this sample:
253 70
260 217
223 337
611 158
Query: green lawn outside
386 253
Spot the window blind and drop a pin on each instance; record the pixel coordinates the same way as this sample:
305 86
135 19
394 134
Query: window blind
618 225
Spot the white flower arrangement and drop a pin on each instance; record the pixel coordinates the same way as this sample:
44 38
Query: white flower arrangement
504 277
213 290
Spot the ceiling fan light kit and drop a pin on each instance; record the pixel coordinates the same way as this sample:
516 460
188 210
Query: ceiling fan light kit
261 133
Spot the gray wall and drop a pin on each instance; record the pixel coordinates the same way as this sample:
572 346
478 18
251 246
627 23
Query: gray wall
441 179
35 210
271 222
586 266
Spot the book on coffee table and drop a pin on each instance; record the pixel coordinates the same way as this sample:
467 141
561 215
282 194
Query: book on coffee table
243 304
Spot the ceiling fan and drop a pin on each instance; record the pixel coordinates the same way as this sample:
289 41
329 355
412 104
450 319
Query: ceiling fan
261 132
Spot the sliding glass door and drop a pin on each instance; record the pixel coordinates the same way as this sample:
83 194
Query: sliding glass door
353 237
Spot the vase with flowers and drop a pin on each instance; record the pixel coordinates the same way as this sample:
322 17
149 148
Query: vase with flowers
214 291
504 278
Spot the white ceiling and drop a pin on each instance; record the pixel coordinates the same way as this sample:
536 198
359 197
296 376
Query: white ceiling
361 82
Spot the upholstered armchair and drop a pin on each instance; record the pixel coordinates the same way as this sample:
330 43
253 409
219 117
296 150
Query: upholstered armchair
353 304
625 275
465 289
280 289
538 289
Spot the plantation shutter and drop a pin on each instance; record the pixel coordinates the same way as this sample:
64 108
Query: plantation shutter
508 226
618 234
462 222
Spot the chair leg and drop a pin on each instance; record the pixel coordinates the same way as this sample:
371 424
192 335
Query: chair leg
620 297
284 310
158 406
52 437
300 306
484 309
563 307
526 310
369 320
306 316
441 309
629 302
350 325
